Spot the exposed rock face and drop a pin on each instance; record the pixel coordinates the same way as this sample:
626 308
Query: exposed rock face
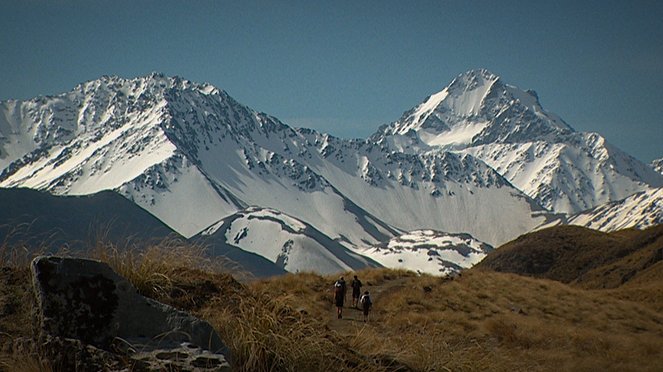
87 301
155 139
563 170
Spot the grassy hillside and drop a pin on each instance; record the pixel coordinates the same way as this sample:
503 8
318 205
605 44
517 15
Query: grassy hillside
490 321
482 320
625 264
573 254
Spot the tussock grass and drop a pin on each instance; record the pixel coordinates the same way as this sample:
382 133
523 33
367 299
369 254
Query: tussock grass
482 320
282 324
381 275
581 256
13 254
150 269
479 321
265 333
170 270
24 362
523 323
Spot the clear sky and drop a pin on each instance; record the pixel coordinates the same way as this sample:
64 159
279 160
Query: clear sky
346 67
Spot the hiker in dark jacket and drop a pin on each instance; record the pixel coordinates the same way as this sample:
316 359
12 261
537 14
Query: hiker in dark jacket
356 291
339 296
366 304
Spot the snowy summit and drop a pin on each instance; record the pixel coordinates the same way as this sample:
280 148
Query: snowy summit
506 127
480 157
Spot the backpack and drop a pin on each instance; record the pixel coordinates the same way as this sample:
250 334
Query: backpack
365 301
338 288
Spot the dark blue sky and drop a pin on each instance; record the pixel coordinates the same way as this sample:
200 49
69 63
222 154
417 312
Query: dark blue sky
345 67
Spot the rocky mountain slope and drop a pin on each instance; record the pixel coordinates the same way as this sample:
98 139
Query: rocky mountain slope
210 167
191 155
479 114
657 164
640 210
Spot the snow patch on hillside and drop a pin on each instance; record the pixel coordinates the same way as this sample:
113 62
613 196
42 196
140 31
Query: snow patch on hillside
288 242
640 210
657 164
431 252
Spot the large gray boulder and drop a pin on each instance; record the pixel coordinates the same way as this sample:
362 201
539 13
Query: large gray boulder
86 300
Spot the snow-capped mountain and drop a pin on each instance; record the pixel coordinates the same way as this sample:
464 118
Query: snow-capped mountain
431 252
657 164
191 155
563 170
296 246
640 210
290 243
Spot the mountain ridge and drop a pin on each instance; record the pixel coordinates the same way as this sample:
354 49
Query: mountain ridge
563 170
192 155
477 108
579 255
640 210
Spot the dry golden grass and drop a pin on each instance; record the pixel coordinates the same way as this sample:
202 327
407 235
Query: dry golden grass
171 271
641 259
24 362
371 277
281 324
481 320
523 323
150 270
585 257
264 333
167 270
645 288
14 254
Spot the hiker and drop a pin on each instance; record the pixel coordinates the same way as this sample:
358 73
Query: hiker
366 304
356 291
339 296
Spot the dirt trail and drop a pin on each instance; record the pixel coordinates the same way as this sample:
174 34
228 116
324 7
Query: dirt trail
354 318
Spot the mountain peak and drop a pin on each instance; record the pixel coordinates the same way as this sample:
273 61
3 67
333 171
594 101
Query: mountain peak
506 127
473 79
480 72
478 107
153 114
152 83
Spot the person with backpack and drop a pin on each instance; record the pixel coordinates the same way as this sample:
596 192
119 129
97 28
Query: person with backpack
356 291
366 304
339 296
